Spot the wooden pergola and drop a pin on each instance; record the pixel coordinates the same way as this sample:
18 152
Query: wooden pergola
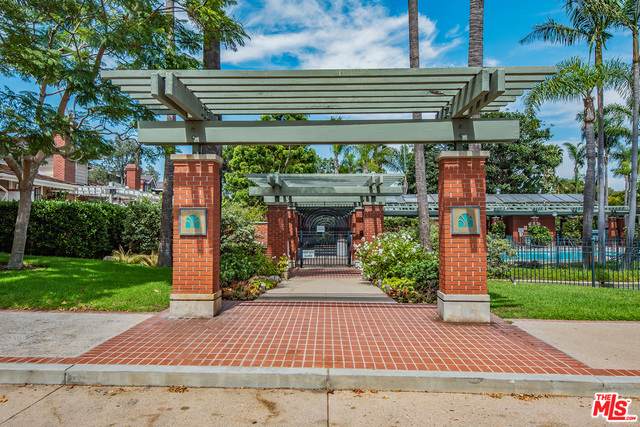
453 94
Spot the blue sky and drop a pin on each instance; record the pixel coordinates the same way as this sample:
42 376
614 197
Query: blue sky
308 34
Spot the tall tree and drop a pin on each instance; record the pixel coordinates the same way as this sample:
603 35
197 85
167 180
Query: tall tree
226 28
576 80
60 46
424 224
578 154
400 161
628 17
364 154
339 151
591 21
476 43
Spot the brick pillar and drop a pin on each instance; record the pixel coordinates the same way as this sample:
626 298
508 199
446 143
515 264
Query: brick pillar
462 296
373 220
134 174
293 232
62 168
613 228
277 229
358 229
196 258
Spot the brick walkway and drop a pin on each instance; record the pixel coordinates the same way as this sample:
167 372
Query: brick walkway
331 335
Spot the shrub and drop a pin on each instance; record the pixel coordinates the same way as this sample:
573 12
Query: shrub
572 229
65 228
411 227
241 256
141 232
397 255
499 229
499 252
539 234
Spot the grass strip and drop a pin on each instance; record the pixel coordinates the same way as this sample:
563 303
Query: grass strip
84 284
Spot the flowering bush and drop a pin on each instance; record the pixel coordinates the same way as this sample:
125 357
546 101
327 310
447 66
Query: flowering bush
381 256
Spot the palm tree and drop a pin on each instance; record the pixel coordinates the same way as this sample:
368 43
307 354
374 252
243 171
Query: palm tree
576 80
476 44
364 153
350 163
591 20
578 154
424 224
399 162
614 131
622 155
628 16
339 150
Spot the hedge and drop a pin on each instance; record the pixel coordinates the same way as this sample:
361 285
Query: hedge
81 229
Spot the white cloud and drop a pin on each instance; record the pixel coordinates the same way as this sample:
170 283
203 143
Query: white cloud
313 34
491 62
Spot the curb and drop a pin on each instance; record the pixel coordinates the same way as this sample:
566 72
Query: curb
317 378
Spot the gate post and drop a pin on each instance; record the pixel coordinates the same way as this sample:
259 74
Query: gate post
196 236
462 296
277 229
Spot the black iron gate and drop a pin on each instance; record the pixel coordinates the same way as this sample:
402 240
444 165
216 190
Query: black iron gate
325 235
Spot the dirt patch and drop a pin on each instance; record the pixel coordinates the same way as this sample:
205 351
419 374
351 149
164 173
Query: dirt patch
4 267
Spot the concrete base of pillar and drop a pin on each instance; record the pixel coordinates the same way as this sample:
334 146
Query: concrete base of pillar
463 308
195 305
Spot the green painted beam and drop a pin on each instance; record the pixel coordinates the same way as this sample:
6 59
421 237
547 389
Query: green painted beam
325 191
158 94
497 88
183 98
328 132
335 73
473 91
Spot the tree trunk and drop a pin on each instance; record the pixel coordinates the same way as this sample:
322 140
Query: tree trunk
336 165
634 152
589 184
26 176
22 223
476 45
418 149
211 61
602 224
165 247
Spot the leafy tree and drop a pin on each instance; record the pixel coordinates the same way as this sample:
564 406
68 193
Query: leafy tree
243 159
578 154
525 166
60 46
576 80
349 164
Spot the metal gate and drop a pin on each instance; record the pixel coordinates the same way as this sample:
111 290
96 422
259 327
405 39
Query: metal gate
325 235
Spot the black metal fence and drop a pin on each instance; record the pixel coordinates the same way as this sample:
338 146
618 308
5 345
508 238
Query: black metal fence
572 262
324 248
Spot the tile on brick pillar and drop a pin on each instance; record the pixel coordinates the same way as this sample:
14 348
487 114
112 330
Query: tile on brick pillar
196 236
462 296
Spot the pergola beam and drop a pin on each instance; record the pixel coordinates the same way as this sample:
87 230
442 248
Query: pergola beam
325 191
175 96
328 132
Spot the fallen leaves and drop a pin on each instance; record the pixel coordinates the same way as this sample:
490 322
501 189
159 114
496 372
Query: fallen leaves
3 399
177 389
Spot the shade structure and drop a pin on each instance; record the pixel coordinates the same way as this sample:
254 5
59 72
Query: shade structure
448 92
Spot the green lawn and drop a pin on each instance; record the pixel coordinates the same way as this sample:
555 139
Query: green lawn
567 302
84 284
